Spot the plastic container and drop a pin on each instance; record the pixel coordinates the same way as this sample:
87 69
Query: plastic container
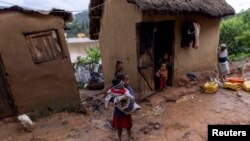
246 86
210 87
232 86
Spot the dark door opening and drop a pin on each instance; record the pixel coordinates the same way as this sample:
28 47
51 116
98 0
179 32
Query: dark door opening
154 40
163 44
145 51
5 106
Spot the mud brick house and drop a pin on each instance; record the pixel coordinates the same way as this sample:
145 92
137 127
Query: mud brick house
139 32
35 64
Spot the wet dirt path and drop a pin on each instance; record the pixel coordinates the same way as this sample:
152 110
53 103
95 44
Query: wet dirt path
181 117
178 114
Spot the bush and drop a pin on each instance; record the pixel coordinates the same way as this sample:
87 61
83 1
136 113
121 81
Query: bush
235 32
93 57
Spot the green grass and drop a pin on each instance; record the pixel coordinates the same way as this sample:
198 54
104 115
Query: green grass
239 57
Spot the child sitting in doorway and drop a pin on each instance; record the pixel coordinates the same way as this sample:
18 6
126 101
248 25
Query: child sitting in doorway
162 73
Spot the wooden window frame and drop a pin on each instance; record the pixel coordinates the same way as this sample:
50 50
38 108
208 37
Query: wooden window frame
45 33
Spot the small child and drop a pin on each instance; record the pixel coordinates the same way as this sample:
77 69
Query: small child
163 74
122 95
121 119
125 78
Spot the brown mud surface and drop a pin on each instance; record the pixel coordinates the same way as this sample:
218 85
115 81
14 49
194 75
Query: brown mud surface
177 114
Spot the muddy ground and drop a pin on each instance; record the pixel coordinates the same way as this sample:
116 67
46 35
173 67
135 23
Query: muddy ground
177 114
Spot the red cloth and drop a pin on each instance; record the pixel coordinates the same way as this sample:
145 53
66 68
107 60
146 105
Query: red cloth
163 74
120 122
163 83
120 119
118 91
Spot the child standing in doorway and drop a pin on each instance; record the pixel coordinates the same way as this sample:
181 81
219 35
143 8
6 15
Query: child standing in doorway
168 60
163 75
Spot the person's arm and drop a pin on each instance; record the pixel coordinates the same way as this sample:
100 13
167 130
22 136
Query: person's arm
127 94
109 91
228 59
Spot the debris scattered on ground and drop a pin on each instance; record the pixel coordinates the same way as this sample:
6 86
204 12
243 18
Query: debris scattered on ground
150 127
239 94
185 98
171 99
74 134
34 138
158 110
99 124
196 78
8 139
65 122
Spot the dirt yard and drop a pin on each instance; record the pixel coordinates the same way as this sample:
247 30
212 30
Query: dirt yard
177 114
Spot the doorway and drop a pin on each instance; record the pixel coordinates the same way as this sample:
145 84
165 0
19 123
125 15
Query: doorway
154 39
163 44
5 106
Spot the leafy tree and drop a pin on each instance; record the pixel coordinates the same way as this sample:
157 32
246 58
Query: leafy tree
244 40
235 32
230 29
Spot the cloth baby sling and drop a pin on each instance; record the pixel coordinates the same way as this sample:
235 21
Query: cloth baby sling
121 101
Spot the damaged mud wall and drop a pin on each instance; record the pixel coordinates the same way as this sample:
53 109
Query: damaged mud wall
34 85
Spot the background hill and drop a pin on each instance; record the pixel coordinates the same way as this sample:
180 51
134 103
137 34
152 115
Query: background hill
82 17
79 25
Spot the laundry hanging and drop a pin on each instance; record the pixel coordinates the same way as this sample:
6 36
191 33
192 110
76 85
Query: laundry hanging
197 34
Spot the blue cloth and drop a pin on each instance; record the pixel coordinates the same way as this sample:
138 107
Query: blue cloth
131 104
130 90
222 59
118 112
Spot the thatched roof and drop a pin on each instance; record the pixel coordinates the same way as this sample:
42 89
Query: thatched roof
66 16
209 8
